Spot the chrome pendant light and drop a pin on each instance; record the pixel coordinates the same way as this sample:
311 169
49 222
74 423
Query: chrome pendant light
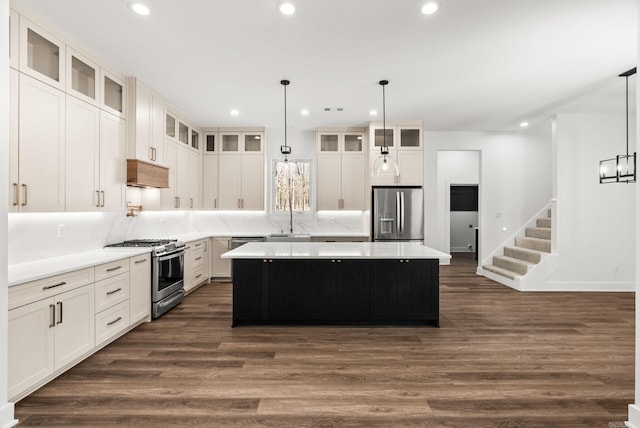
622 168
385 165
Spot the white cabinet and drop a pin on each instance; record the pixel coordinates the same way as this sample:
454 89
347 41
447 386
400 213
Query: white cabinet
41 148
94 158
341 169
195 180
252 182
14 37
47 335
145 123
197 264
140 288
42 56
183 177
210 181
113 92
220 268
83 78
14 144
168 198
405 143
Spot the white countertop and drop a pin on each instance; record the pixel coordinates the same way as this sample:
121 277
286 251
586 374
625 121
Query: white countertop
195 236
335 250
31 271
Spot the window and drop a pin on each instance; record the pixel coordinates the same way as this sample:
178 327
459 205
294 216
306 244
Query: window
294 176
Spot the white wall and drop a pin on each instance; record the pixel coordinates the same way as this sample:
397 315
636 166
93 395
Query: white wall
596 222
515 181
6 409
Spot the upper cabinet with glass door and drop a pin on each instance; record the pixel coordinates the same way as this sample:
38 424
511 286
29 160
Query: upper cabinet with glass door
396 136
241 142
82 78
183 133
409 137
211 142
42 56
170 126
351 141
113 93
195 140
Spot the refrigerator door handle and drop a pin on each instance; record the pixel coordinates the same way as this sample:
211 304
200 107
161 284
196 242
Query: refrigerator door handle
402 212
398 223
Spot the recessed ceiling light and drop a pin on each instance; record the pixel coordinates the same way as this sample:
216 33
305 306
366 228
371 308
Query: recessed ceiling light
287 9
234 112
524 124
139 8
373 113
304 112
430 7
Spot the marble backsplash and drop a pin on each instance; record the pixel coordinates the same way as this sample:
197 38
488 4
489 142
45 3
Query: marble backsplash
34 236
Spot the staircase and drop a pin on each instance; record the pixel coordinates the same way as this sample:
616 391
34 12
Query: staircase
518 260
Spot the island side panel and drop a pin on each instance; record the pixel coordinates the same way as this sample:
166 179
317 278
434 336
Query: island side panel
418 290
248 289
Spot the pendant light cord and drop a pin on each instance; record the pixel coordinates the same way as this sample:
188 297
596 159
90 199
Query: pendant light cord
285 115
384 121
627 116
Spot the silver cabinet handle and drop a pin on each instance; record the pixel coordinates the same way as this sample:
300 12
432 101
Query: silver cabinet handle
239 203
198 258
102 193
137 262
25 190
113 291
198 244
52 319
114 268
98 199
49 287
198 276
59 312
177 202
215 203
150 153
114 321
190 202
16 195
155 154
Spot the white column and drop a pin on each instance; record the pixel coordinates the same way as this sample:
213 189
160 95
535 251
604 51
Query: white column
634 409
6 408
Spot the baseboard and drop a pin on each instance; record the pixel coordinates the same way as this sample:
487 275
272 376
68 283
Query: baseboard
6 416
634 416
612 287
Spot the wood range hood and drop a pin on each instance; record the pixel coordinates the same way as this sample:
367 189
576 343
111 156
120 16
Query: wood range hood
145 174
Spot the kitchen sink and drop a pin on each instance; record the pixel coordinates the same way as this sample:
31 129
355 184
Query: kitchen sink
288 237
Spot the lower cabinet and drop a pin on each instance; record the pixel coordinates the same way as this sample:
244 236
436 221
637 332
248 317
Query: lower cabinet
196 264
55 322
335 291
220 268
48 334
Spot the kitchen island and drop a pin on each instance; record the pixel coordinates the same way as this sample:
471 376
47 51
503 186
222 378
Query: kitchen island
347 283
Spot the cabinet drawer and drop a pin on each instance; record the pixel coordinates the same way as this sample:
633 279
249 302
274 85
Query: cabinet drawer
112 321
108 270
198 276
198 259
111 291
23 294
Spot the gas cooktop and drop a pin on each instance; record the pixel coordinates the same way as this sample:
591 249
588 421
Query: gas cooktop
160 246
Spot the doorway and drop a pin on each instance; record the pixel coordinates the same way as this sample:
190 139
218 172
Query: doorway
463 219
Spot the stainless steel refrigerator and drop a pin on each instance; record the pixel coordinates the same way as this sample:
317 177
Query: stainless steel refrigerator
397 214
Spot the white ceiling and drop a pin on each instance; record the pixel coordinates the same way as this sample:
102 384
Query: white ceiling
475 65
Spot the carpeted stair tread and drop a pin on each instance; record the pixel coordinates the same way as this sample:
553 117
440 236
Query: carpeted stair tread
509 263
543 222
522 253
538 232
500 271
543 245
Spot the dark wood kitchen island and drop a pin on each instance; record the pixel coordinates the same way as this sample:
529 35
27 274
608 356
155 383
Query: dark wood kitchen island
347 283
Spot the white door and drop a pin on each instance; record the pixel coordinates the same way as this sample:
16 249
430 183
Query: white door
82 156
183 177
14 124
353 182
210 182
195 180
329 182
140 287
220 268
168 199
229 181
157 130
30 346
112 162
42 137
74 330
410 164
143 125
252 182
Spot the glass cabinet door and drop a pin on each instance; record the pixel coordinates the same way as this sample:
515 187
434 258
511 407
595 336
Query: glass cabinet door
252 143
329 143
210 143
170 126
230 143
410 138
41 55
113 94
353 142
82 78
382 137
183 133
195 139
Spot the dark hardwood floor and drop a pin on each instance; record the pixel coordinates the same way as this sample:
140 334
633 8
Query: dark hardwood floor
500 359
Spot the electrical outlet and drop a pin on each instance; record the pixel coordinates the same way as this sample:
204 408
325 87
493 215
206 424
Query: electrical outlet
61 230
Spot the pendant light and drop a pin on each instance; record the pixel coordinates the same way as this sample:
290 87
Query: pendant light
291 168
385 165
622 168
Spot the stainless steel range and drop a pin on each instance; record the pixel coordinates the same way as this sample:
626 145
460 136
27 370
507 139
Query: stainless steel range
167 272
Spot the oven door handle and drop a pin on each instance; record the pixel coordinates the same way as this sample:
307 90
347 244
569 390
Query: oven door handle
170 256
